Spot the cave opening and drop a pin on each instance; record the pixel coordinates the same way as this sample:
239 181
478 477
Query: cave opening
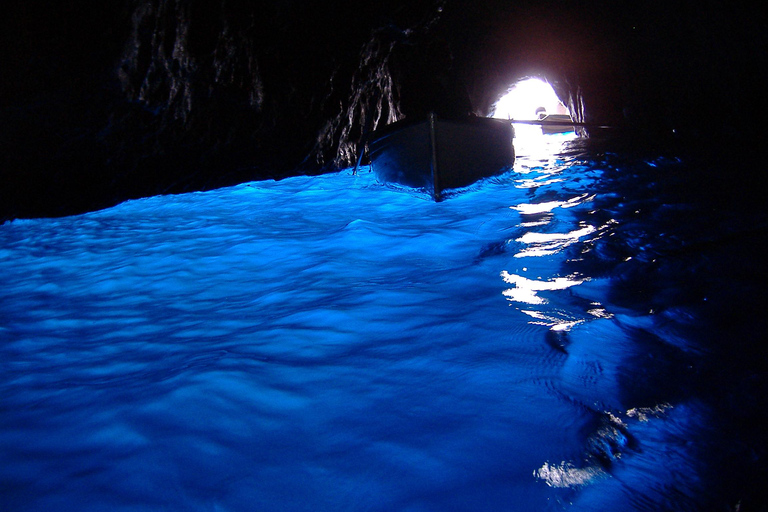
526 98
533 98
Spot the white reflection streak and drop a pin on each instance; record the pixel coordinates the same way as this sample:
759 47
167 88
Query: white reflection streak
642 413
566 474
550 243
525 289
542 222
555 324
535 183
543 238
523 295
599 311
532 209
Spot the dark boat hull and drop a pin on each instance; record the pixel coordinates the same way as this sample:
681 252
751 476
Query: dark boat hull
438 154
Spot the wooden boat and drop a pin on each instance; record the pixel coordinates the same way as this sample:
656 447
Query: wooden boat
556 123
438 154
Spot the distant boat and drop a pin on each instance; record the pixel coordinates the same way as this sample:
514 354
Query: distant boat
560 123
438 154
556 123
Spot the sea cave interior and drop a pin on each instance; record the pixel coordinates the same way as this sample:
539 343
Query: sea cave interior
209 300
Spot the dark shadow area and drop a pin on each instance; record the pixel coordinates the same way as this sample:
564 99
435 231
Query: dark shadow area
684 252
101 103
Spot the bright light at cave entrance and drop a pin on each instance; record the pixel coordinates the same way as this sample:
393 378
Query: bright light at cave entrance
525 98
524 101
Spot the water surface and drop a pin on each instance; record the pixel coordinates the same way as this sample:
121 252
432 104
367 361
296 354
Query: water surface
538 341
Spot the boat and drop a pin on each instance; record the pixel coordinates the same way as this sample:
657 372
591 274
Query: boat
437 154
556 123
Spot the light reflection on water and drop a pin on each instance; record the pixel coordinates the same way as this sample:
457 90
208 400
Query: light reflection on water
525 289
332 343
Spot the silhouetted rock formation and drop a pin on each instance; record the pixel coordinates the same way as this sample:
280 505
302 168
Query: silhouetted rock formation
101 103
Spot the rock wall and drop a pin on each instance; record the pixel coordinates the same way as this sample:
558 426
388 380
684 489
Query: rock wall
102 102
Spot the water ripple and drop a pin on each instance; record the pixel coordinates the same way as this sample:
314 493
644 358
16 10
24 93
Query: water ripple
332 343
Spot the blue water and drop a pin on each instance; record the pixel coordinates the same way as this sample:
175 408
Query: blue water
333 343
